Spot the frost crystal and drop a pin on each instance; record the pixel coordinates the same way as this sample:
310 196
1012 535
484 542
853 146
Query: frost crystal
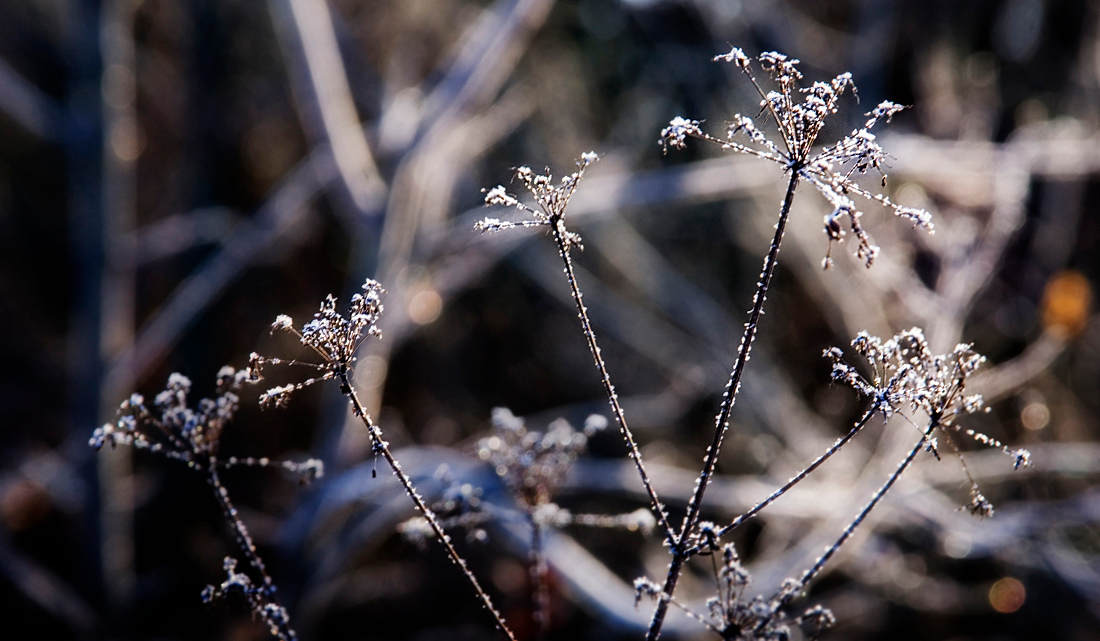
677 130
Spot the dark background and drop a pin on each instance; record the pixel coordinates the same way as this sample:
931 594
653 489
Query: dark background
167 187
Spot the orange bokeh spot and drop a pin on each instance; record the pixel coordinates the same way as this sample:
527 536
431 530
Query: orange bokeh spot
1066 303
1007 595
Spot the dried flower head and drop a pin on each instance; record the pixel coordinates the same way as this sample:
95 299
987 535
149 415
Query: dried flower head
816 621
534 464
259 599
979 506
551 200
800 114
332 336
191 435
906 373
735 616
172 428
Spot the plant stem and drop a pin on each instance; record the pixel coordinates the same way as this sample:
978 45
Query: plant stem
244 541
809 574
679 550
540 578
383 448
557 227
833 449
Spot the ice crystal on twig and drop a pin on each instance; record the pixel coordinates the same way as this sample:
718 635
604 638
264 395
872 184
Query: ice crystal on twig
799 114
678 130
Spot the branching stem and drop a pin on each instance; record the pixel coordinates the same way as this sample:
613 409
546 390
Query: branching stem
809 574
691 520
833 449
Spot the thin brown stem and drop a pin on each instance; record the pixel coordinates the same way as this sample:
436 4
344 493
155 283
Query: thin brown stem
383 448
721 426
557 227
833 449
247 545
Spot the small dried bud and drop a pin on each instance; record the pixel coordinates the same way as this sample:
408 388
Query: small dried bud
979 506
735 56
677 130
499 196
283 322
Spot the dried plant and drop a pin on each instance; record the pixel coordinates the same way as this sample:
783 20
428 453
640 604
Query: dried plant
799 123
192 435
908 373
550 204
732 614
532 465
800 114
906 381
335 338
330 336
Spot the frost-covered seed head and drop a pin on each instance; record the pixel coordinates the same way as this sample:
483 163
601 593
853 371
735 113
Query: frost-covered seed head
799 114
551 201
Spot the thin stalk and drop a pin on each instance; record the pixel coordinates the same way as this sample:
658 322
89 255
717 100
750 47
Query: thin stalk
808 576
540 580
381 447
557 227
245 542
244 539
679 550
801 475
787 135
